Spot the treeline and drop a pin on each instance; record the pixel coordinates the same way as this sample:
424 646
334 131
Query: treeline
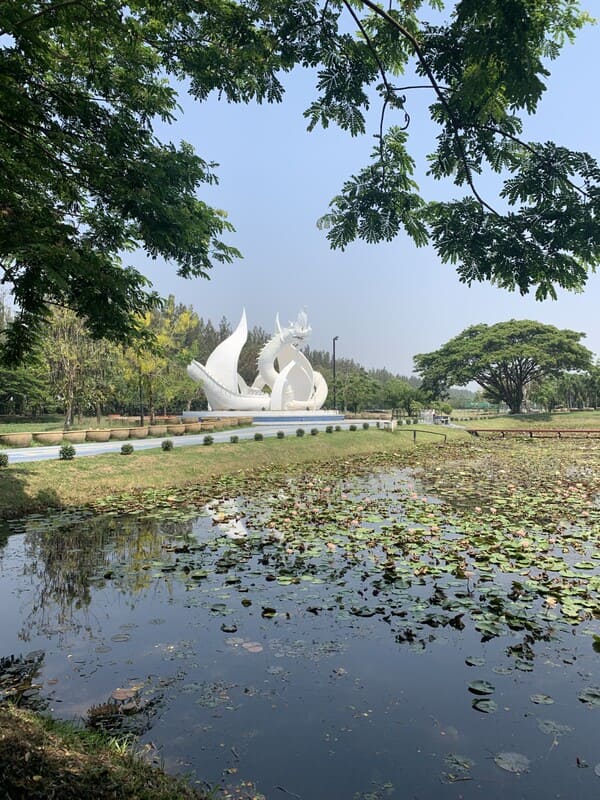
72 373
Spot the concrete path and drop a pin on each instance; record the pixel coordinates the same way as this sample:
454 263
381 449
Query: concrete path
18 455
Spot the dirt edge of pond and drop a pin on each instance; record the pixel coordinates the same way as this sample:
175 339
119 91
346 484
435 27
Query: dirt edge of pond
40 758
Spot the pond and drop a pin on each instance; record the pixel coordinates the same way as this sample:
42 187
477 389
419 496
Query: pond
347 639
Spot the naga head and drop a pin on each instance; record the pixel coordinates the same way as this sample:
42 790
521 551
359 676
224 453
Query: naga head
296 331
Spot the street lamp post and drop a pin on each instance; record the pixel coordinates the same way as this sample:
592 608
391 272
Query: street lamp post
335 338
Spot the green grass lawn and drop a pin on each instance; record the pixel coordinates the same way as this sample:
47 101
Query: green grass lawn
561 419
37 486
56 422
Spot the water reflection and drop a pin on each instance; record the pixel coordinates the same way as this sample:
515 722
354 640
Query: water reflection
321 638
68 563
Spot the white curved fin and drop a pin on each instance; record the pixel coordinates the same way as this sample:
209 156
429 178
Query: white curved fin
279 388
223 361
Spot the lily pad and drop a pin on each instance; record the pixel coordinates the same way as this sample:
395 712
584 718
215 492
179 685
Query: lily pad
485 705
516 763
481 687
590 696
541 699
472 661
549 726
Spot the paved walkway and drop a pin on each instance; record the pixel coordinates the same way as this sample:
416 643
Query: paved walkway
44 453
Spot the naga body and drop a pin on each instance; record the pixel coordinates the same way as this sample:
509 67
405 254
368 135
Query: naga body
285 381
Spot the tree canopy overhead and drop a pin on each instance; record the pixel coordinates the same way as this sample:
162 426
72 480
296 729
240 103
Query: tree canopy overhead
84 179
504 359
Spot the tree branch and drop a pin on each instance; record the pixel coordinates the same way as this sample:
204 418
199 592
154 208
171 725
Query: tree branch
45 11
439 92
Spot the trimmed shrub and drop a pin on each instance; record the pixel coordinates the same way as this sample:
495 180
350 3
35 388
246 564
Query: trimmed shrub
66 452
338 427
167 444
3 460
299 431
208 440
352 428
329 429
314 431
234 439
365 426
280 434
126 449
258 437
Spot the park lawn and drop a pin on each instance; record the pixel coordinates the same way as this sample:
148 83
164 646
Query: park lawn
56 422
38 486
560 419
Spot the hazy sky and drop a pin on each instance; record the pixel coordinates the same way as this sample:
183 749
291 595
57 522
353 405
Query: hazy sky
385 302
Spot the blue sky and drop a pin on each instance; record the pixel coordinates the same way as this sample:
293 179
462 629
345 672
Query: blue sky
385 302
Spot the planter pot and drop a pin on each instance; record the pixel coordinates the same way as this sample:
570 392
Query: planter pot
15 439
175 430
138 433
48 437
119 433
157 430
74 437
97 436
193 427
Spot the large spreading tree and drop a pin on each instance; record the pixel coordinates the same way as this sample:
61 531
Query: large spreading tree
504 359
84 179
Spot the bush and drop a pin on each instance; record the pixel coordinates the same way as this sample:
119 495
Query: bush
352 428
66 452
258 437
280 434
365 426
234 439
208 440
314 431
338 427
167 444
126 449
329 429
300 432
3 460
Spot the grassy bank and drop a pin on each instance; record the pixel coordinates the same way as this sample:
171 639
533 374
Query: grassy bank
35 487
560 419
41 758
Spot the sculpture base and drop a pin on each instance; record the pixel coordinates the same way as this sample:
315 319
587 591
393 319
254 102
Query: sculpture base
270 417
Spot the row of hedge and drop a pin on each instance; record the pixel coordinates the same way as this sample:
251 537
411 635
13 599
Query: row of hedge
25 439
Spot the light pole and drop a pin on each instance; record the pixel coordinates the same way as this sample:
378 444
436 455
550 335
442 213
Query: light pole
335 338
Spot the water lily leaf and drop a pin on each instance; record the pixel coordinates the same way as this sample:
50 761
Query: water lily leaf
485 705
472 661
363 611
512 762
541 699
481 687
549 726
591 696
123 694
229 628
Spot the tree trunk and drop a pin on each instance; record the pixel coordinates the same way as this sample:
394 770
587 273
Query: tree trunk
98 414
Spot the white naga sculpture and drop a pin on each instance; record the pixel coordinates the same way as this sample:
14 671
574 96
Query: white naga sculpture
293 384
